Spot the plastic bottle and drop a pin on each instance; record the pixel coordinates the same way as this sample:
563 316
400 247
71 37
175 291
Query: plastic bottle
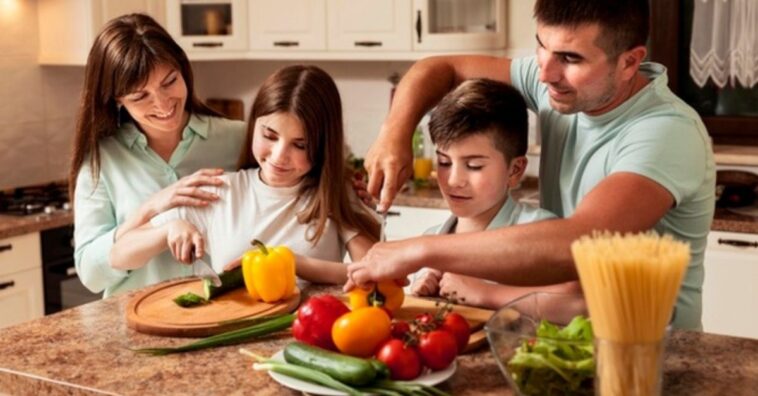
422 164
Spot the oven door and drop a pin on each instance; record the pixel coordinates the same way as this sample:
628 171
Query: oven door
63 289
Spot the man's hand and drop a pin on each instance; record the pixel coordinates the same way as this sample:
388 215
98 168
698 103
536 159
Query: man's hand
386 260
389 163
428 284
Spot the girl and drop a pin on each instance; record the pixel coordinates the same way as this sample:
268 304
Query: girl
291 190
141 134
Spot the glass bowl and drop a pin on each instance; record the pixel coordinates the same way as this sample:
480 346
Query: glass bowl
545 365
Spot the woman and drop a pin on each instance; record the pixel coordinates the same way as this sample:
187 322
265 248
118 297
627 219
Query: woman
141 134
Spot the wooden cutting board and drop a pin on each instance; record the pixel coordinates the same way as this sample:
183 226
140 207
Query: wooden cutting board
154 311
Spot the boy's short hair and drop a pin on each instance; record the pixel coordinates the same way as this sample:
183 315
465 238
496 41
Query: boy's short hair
482 106
624 24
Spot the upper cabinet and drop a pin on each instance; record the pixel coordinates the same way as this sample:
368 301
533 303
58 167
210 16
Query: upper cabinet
459 25
287 25
369 25
67 28
208 25
288 29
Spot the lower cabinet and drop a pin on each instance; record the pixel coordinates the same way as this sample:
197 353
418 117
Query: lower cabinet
21 292
730 289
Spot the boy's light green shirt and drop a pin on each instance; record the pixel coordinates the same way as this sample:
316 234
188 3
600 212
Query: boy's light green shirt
511 213
130 173
653 134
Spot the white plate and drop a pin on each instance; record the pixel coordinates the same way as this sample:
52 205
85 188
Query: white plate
430 378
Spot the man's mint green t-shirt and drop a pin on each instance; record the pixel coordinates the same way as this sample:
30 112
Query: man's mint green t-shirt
653 134
130 173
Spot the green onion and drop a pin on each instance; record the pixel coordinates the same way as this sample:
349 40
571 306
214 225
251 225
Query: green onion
306 374
276 323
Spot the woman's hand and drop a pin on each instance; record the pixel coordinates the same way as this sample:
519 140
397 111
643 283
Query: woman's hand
184 241
185 192
427 284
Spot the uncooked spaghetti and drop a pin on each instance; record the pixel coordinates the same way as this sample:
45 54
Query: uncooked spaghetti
630 283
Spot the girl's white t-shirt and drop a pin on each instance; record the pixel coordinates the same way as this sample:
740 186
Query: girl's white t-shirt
249 209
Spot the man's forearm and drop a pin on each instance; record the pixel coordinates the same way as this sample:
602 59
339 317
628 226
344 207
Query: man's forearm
524 255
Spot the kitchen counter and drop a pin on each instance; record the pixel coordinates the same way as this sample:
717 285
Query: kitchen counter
11 226
85 350
723 220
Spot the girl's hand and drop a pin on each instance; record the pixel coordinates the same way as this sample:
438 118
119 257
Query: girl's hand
233 264
184 241
185 192
468 290
428 284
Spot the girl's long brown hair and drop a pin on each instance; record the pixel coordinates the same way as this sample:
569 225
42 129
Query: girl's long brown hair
311 95
122 57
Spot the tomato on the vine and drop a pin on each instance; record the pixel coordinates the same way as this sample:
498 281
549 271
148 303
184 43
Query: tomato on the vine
458 327
437 348
400 329
426 320
403 361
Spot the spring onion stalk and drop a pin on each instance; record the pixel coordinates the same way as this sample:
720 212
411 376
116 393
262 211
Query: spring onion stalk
276 323
306 374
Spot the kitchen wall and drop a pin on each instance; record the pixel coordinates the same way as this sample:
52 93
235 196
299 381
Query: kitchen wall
38 104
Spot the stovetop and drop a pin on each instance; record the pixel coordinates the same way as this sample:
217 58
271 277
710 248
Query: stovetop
25 201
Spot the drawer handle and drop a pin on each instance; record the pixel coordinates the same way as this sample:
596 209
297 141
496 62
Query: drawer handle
209 45
286 43
6 247
6 285
418 25
738 243
368 43
392 213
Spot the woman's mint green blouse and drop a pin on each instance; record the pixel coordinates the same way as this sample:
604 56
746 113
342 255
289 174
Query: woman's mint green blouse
130 173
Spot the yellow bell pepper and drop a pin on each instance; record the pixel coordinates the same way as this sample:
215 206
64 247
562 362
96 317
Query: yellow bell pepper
269 272
386 294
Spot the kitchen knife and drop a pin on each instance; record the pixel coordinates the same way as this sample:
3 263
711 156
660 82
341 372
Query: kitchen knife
203 270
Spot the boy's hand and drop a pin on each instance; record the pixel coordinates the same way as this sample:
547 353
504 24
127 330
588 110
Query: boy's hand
428 284
184 241
468 290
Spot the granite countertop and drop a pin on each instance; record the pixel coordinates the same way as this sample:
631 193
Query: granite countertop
11 226
85 350
723 220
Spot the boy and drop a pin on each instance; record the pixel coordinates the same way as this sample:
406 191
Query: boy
480 133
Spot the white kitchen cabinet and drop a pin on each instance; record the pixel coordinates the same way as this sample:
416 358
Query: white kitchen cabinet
407 222
67 28
287 25
730 294
21 294
369 25
441 25
208 26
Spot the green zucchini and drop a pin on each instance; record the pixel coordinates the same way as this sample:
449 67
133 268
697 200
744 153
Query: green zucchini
346 369
382 371
230 280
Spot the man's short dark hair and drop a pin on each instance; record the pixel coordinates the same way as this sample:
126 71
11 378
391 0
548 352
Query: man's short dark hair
482 106
624 24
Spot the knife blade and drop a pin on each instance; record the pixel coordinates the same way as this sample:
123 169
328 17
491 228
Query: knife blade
203 270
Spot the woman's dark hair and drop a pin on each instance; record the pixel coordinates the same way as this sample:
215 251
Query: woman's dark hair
311 95
122 57
482 106
625 24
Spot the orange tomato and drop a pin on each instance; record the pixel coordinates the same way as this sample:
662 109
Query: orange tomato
360 332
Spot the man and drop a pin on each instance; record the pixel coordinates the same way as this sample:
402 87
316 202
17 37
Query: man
620 152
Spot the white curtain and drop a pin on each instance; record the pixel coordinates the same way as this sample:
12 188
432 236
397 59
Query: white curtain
724 43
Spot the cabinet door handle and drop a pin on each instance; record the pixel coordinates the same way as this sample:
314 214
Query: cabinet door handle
212 44
368 43
286 43
738 243
391 213
418 26
6 247
6 285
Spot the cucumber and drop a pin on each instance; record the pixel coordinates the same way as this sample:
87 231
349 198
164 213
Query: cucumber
382 371
230 280
189 300
346 369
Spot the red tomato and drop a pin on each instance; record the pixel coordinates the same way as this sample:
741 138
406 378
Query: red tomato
315 318
437 348
404 362
458 327
399 329
426 320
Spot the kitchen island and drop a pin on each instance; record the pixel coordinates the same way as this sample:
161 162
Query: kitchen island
85 350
